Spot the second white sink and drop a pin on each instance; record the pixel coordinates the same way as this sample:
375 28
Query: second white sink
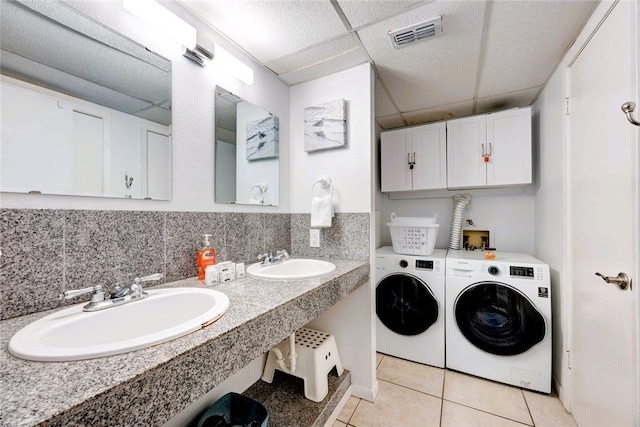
72 334
294 268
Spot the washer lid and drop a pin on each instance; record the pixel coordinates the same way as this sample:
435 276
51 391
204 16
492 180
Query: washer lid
498 319
405 304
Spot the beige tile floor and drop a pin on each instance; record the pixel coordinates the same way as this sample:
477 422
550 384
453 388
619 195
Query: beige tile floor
411 394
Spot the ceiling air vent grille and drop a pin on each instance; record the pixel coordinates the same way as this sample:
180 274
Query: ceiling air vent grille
413 33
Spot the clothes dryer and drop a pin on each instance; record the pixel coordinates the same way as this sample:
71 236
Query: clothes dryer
499 318
410 305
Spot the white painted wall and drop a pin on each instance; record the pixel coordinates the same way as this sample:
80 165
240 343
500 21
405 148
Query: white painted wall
549 209
192 183
348 167
510 216
351 170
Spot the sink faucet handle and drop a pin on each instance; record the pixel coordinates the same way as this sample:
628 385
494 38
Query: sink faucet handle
136 286
156 276
283 254
96 291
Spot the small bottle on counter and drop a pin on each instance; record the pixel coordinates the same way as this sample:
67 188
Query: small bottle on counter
206 256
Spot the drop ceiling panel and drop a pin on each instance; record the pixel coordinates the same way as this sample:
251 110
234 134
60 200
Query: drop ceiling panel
331 65
439 70
315 54
508 100
384 106
156 114
391 122
269 30
434 114
33 72
38 39
361 12
526 41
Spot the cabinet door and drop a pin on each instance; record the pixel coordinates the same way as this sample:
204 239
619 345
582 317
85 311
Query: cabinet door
466 139
509 140
429 147
394 149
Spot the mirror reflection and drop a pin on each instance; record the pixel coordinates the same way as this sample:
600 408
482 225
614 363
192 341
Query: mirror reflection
246 152
85 111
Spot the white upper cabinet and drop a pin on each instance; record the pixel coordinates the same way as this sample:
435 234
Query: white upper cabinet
414 158
492 150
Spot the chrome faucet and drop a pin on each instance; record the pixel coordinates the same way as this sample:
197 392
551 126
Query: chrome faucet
270 259
100 300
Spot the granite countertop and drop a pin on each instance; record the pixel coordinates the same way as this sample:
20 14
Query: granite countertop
149 386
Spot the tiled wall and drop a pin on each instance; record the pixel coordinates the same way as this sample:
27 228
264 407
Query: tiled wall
45 252
347 238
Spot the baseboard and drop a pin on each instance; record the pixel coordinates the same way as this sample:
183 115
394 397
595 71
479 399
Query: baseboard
561 394
334 415
368 394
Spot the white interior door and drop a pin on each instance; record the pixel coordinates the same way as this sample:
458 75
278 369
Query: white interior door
158 166
603 228
88 154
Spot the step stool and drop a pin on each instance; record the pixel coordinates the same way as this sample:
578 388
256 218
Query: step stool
317 354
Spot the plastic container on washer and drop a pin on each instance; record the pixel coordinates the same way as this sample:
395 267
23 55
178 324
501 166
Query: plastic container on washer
413 235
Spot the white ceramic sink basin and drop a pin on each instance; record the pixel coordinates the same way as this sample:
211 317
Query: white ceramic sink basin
294 268
72 334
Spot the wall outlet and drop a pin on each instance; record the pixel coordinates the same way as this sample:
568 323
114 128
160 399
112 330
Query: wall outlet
314 238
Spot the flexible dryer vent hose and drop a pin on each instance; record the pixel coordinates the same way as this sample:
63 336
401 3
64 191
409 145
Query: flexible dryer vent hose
455 235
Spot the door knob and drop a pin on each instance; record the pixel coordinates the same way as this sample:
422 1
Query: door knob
621 280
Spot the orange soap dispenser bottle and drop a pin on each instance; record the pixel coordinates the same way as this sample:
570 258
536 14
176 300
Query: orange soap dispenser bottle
206 256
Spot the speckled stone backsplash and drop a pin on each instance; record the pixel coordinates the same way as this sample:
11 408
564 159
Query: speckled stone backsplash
347 238
48 251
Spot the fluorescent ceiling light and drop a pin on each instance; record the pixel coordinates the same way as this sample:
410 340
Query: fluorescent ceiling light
163 20
228 63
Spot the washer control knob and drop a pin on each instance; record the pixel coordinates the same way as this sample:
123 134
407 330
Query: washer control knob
404 263
494 271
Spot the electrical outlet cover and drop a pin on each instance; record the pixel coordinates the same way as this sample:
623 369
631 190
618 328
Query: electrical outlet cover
314 238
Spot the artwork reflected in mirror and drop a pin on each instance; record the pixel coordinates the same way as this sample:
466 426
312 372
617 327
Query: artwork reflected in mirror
246 152
85 110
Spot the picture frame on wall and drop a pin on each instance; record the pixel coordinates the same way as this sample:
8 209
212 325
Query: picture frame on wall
325 126
263 138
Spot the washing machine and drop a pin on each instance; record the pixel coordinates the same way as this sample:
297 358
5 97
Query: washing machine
499 318
410 305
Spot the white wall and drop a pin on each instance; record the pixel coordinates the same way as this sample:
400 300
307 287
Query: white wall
549 208
193 120
348 167
351 171
510 217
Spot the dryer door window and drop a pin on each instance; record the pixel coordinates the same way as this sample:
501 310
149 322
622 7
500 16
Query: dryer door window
499 319
405 304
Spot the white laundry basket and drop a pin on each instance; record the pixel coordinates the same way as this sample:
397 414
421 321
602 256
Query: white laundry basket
413 235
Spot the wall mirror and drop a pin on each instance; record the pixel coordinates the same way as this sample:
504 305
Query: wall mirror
246 152
85 111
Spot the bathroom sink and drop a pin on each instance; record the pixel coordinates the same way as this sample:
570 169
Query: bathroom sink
293 268
72 334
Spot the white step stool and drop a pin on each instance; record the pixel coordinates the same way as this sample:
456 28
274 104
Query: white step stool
317 354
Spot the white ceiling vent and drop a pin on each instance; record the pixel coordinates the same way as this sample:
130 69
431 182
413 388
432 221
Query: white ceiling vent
413 33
